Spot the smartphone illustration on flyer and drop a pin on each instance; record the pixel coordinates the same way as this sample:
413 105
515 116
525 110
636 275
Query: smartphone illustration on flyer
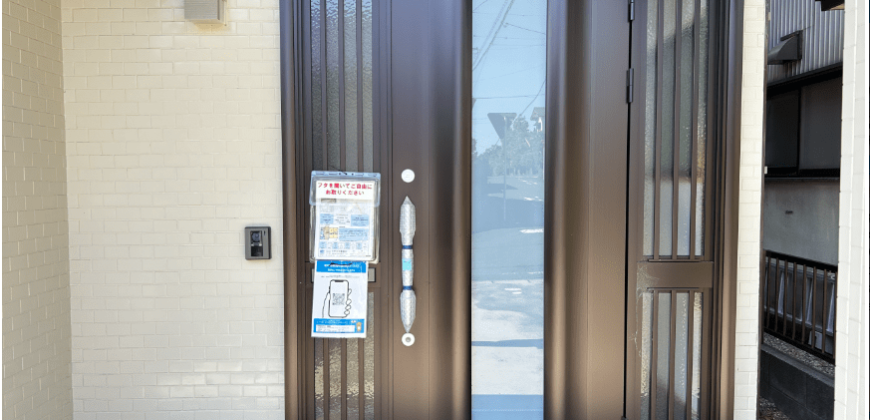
338 299
340 290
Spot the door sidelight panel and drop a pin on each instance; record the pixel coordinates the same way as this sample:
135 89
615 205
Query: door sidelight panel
671 261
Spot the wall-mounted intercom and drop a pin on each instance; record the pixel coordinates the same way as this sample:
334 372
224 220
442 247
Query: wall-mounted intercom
258 243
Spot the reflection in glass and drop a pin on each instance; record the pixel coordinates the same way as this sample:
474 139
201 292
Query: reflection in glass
508 117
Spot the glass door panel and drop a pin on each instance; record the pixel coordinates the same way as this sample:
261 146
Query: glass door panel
508 86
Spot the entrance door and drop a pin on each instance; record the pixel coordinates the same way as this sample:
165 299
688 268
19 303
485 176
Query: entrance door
385 87
531 268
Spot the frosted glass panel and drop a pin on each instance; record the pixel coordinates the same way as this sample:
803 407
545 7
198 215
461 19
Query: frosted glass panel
678 312
650 127
681 356
697 322
667 136
334 377
675 126
687 58
316 85
350 88
645 356
318 378
369 369
368 133
663 347
508 119
333 73
353 378
701 154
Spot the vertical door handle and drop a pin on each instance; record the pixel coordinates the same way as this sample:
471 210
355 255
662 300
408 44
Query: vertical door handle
407 299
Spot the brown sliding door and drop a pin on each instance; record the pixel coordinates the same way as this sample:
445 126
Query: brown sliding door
383 87
568 159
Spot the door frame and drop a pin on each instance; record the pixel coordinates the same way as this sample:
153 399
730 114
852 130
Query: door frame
566 72
584 281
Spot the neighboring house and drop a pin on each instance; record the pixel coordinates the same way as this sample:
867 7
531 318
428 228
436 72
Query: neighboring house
801 207
622 279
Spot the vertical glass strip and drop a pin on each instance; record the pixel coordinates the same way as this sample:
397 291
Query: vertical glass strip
333 73
681 356
316 86
650 128
350 94
368 105
687 59
369 358
507 201
335 361
701 153
353 378
697 321
663 355
645 355
318 378
666 203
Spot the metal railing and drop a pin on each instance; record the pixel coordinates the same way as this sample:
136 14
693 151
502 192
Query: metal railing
798 302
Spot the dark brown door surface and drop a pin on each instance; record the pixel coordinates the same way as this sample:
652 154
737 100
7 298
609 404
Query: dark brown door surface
624 220
384 87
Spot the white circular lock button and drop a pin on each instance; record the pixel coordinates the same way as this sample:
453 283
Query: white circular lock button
408 176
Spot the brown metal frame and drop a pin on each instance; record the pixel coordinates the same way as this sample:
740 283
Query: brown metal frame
671 273
425 40
289 134
584 222
718 264
728 96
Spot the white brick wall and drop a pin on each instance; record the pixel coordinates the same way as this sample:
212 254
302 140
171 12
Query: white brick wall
850 378
36 322
173 142
749 210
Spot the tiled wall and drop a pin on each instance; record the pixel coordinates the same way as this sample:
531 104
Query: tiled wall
173 137
36 321
850 376
749 211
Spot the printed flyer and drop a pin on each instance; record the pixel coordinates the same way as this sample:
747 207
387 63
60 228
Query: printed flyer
340 299
344 220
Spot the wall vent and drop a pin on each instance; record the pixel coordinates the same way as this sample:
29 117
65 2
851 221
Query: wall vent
204 11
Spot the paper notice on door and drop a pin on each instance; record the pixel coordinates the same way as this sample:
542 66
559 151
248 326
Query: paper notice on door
344 220
340 299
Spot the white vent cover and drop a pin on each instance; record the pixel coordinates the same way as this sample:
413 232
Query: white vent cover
204 11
